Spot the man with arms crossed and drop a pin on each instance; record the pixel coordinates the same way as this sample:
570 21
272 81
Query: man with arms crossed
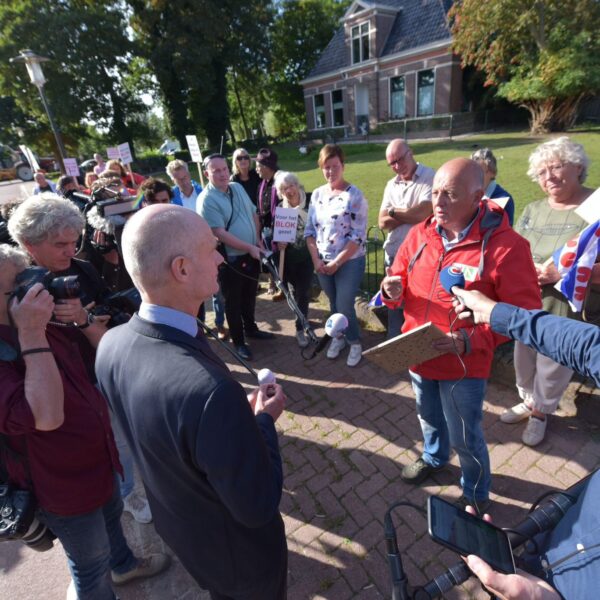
207 453
406 201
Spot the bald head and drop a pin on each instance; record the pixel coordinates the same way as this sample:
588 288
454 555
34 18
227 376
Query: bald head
457 191
400 159
154 237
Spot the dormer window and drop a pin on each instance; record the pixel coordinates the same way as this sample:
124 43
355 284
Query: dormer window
360 43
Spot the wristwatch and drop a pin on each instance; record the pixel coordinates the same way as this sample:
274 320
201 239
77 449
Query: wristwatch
391 212
90 319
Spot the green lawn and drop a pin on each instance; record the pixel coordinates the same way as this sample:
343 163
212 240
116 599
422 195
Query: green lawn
367 169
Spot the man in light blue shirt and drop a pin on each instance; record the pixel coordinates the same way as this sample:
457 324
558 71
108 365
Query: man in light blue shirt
232 217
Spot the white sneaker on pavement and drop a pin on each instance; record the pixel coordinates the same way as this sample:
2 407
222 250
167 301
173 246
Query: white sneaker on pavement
534 432
336 346
151 565
519 412
354 355
137 506
301 339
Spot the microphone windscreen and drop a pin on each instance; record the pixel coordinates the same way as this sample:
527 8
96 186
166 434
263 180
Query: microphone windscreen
336 325
265 376
450 277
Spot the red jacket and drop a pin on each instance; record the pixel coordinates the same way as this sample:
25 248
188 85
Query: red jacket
507 275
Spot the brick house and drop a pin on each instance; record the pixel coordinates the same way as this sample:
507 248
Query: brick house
390 59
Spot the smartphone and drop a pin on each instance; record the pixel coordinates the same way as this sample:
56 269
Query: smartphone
456 529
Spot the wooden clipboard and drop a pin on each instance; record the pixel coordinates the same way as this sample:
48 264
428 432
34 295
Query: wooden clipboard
410 348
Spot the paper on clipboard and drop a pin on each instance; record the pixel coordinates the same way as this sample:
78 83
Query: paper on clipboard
410 348
589 210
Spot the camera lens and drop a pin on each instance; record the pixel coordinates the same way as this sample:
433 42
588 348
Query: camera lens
65 287
39 537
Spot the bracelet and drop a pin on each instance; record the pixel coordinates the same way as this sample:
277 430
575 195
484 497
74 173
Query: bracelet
35 351
88 321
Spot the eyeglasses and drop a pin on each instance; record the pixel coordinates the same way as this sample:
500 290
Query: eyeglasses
550 171
243 157
399 160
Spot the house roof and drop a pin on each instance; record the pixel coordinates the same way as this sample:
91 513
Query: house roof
418 23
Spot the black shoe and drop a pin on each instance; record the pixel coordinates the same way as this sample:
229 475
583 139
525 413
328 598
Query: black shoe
257 334
480 506
418 471
243 351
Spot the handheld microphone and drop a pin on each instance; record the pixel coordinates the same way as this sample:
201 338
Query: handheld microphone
451 277
267 377
334 328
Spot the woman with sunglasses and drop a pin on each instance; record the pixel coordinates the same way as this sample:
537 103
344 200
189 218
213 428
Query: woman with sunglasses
244 174
335 235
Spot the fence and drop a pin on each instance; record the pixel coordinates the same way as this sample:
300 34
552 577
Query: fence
375 264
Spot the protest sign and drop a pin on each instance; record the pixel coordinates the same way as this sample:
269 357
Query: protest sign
113 153
196 154
125 153
71 167
285 223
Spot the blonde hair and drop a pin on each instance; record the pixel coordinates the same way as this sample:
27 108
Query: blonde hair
236 153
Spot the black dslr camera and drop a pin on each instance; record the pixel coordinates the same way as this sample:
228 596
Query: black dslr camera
60 288
120 306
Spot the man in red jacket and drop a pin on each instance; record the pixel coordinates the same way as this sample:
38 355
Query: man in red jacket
466 233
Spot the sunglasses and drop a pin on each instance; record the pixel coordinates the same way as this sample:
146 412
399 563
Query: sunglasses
246 157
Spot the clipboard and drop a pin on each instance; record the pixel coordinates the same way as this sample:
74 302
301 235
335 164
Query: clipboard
410 348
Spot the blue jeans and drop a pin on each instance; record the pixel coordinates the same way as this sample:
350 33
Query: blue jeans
94 544
125 458
443 411
219 308
341 289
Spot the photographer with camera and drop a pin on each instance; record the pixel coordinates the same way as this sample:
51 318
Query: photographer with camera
47 228
57 436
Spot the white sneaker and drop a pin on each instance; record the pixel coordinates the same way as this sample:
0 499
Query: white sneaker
301 339
534 432
519 412
72 592
336 346
354 355
137 506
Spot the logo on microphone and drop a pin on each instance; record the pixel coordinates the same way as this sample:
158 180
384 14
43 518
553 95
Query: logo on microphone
455 270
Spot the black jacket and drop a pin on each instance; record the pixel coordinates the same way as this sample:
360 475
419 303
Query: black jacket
211 469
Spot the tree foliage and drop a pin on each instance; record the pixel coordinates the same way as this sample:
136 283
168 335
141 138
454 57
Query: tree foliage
191 45
542 54
86 76
301 31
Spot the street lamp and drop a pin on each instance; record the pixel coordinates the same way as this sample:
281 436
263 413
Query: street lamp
33 62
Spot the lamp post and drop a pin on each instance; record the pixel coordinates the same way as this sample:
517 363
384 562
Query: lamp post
33 62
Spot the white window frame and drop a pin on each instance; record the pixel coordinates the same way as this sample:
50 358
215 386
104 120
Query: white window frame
333 109
315 111
403 75
417 91
360 37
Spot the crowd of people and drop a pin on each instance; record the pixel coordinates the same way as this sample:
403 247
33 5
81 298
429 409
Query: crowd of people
207 452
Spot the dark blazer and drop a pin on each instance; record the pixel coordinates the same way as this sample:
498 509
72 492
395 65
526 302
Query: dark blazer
211 469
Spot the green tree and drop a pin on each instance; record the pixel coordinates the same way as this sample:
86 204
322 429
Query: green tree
90 54
300 32
191 46
543 55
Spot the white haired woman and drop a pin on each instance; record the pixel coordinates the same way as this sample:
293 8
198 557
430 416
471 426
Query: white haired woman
560 167
48 227
244 174
298 266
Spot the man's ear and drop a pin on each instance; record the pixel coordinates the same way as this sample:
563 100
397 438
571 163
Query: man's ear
179 268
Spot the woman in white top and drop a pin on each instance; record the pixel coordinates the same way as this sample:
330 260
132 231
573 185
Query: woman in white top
335 235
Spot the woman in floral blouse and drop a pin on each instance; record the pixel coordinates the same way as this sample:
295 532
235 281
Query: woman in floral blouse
335 235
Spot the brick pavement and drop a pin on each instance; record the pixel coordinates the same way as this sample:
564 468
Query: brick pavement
344 437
